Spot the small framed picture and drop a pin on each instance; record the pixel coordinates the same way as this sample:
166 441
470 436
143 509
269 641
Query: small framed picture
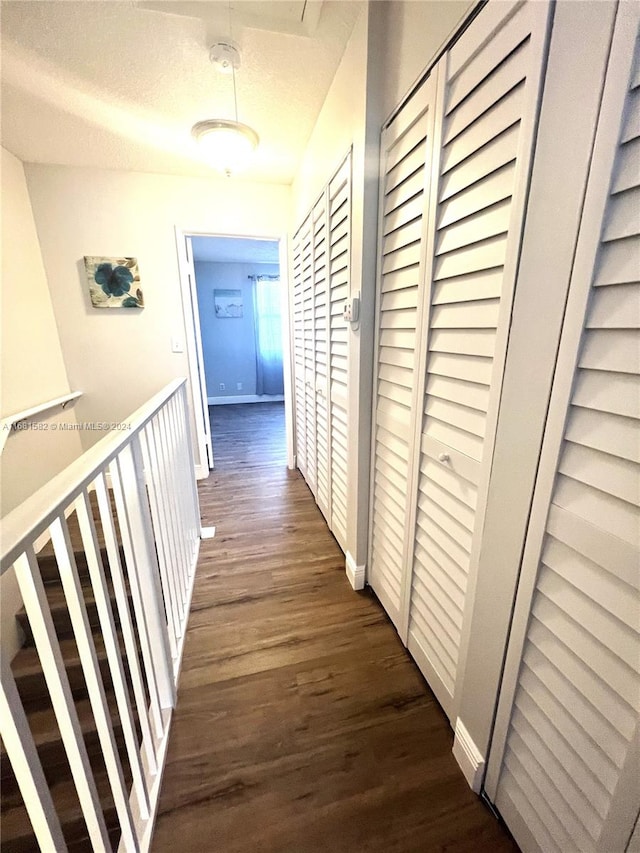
227 303
114 282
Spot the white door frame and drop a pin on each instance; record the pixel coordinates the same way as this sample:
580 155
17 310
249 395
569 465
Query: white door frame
193 340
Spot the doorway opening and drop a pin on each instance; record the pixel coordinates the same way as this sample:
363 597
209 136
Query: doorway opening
239 307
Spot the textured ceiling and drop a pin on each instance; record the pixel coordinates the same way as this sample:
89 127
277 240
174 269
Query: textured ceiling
234 250
119 85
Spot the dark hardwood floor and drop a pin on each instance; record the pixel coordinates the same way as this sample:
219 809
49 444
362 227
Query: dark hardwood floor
302 724
248 435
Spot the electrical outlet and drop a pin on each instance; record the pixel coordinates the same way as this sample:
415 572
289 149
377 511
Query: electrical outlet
223 387
239 386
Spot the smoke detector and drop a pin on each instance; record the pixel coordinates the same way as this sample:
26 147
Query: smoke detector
225 57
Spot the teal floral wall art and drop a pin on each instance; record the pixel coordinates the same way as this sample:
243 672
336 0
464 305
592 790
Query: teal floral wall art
114 282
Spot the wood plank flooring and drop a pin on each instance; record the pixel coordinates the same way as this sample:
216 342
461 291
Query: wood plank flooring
248 435
302 724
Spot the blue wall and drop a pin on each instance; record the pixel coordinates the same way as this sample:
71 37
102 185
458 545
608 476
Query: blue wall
229 345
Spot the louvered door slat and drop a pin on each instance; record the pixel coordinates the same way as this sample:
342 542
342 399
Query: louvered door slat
503 26
567 735
483 193
491 84
494 156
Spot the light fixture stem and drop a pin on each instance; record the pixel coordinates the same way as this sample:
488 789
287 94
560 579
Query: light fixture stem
233 65
235 96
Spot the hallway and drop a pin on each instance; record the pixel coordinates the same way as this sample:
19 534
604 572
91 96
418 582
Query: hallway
302 724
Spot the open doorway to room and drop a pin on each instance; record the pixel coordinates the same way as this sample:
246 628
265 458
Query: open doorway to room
241 309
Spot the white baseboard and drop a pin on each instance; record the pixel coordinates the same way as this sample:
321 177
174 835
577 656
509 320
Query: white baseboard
468 757
202 472
355 573
207 532
246 398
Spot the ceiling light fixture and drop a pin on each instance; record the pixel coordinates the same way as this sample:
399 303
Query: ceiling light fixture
228 143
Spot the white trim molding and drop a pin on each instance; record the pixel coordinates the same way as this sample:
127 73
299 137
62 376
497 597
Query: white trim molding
468 756
246 398
355 573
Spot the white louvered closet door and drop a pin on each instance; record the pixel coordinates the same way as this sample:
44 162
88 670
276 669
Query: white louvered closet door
308 311
339 248
298 354
406 153
489 88
321 386
565 759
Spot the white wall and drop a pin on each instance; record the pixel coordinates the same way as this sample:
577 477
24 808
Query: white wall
342 126
390 46
119 358
228 345
339 124
32 371
414 31
405 36
32 366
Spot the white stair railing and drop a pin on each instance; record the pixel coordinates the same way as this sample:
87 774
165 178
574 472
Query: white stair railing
136 490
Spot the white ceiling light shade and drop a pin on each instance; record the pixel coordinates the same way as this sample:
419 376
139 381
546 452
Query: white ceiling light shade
228 144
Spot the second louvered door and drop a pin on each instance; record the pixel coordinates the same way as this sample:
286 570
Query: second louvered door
321 386
489 86
456 163
321 264
565 758
308 312
298 354
407 146
339 254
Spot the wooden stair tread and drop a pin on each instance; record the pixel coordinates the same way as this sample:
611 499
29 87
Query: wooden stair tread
49 565
30 679
74 527
15 828
44 726
27 661
60 612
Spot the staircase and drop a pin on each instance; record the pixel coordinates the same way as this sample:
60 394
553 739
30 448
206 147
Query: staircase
16 834
111 635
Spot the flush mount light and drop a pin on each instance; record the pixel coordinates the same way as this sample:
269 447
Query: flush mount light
228 144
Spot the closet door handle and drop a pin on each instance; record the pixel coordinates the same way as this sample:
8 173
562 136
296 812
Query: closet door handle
444 457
